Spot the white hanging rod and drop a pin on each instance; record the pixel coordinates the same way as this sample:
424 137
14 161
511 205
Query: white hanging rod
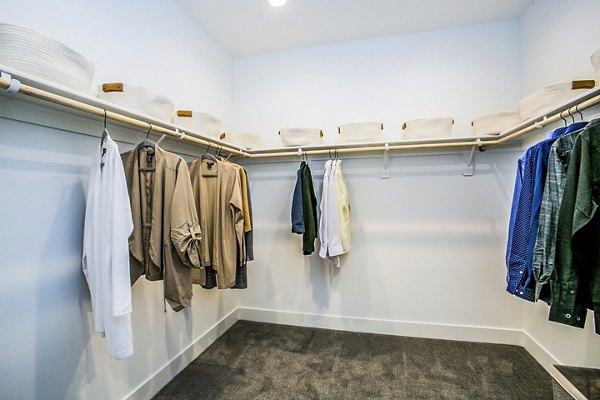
14 86
583 102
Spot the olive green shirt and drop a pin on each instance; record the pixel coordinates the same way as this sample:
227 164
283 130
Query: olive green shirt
575 281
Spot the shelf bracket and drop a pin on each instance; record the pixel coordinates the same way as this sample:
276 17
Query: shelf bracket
469 169
386 171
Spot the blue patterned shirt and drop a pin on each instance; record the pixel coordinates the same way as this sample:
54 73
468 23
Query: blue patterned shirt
524 218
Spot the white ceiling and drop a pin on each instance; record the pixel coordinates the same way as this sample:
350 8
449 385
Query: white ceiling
248 27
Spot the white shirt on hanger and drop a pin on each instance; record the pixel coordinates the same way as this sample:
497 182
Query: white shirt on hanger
105 260
329 224
343 205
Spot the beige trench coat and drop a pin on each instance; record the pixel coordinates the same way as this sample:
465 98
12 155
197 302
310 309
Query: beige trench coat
218 196
164 244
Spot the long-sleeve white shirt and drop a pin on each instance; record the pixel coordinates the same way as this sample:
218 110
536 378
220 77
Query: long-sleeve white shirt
329 223
105 260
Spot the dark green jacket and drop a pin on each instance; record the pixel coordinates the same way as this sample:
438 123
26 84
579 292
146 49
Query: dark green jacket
575 281
309 206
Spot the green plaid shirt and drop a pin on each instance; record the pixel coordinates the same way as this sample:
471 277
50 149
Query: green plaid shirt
545 242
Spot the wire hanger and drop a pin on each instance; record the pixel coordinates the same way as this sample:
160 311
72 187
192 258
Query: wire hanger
564 120
102 139
572 117
147 142
207 155
105 131
579 112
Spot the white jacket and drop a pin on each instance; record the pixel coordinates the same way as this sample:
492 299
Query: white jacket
105 260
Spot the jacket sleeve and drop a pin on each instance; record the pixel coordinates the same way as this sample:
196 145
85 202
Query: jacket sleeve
236 205
185 229
297 207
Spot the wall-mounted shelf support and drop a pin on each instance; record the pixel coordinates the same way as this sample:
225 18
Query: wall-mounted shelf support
386 171
469 169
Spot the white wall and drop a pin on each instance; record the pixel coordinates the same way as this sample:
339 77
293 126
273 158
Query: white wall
152 43
48 346
428 244
462 73
558 39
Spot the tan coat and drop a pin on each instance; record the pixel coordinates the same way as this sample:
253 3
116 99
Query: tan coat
218 196
166 234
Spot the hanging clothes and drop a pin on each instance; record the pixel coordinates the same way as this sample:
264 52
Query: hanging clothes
309 210
545 242
218 201
241 274
343 205
297 204
105 259
329 228
524 218
575 281
166 234
249 235
334 224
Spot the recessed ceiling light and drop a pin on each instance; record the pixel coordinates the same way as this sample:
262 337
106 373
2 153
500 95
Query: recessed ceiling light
277 3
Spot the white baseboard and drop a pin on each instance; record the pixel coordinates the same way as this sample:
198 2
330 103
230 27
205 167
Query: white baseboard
539 352
156 382
386 327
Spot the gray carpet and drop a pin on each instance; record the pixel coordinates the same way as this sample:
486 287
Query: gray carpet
266 361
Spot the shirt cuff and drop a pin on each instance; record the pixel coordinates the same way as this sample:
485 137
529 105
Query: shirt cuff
564 307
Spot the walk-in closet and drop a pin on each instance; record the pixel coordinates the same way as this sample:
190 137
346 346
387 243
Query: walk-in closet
324 199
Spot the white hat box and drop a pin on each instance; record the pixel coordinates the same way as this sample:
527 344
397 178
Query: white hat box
494 124
291 137
199 122
428 128
552 96
137 98
245 140
34 53
360 132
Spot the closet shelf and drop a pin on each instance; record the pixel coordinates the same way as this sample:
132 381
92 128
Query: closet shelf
66 97
57 94
573 106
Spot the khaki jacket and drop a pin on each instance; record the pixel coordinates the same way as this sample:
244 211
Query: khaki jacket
164 244
218 195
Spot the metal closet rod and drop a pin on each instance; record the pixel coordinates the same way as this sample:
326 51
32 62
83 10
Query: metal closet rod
101 112
9 85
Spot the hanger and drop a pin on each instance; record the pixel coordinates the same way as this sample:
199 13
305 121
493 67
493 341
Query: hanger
572 117
104 132
564 120
102 139
150 152
147 142
579 112
207 155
